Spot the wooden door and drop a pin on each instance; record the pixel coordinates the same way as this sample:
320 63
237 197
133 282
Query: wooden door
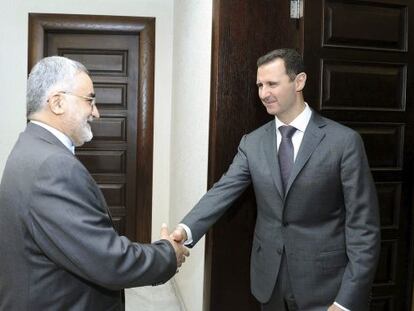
118 52
359 58
360 63
242 32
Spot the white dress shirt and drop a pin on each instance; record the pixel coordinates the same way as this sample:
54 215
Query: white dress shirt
58 134
300 123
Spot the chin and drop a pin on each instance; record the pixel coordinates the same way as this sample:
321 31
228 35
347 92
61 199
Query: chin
272 112
86 137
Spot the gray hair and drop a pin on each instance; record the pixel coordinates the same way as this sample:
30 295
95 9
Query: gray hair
49 74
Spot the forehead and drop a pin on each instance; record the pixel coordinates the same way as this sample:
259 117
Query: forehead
275 68
83 82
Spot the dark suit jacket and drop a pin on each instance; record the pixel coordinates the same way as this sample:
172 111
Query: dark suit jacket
327 222
58 248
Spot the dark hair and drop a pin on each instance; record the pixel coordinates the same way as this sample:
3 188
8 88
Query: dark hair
293 61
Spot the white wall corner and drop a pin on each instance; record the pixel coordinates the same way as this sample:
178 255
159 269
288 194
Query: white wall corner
190 130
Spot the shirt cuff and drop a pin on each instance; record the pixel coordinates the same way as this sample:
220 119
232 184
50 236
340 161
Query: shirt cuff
189 235
339 306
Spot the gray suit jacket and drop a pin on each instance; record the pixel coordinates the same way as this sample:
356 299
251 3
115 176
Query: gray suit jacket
327 221
58 248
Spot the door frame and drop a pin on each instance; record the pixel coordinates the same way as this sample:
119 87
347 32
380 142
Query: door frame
40 24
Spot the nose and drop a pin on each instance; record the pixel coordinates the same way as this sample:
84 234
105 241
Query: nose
95 112
263 91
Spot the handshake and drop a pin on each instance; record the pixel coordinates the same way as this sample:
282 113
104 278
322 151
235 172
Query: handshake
176 238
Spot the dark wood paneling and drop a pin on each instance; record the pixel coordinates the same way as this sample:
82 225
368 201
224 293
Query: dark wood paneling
384 144
358 56
113 129
375 86
108 62
389 197
119 219
365 24
115 193
103 161
242 32
111 95
387 267
116 50
383 304
359 61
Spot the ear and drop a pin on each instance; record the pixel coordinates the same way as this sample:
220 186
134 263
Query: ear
300 81
55 103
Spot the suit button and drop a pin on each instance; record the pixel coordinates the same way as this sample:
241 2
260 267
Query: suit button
285 224
279 251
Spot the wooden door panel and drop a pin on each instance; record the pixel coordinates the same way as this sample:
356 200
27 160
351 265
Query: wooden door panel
375 86
97 61
359 62
389 197
384 143
103 161
383 304
111 95
365 24
116 51
386 273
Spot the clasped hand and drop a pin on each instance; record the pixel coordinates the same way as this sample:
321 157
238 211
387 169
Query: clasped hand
180 250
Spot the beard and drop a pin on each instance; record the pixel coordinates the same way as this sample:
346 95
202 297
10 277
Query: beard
84 133
80 128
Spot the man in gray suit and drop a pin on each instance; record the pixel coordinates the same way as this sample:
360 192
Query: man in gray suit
317 237
58 249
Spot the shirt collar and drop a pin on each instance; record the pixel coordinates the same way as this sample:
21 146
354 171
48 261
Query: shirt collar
58 134
300 122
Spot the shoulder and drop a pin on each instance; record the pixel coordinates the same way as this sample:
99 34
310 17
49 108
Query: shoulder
339 137
63 172
63 164
262 130
335 129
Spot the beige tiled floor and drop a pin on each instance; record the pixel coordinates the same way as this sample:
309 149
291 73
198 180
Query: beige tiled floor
153 298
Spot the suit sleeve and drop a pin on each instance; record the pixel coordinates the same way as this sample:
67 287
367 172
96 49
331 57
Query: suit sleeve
70 225
362 227
221 196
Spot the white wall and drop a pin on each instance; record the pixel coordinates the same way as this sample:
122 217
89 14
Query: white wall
184 124
13 64
189 132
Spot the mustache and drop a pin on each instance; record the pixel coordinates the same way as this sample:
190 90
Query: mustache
269 99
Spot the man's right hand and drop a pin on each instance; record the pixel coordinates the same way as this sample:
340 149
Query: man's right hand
180 250
179 235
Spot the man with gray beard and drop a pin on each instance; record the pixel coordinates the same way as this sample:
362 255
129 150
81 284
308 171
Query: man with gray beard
58 249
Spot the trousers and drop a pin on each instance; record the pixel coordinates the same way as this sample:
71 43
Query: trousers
282 298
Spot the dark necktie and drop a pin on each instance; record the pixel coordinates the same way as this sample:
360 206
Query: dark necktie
285 153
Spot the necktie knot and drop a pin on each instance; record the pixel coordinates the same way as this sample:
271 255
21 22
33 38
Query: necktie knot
287 131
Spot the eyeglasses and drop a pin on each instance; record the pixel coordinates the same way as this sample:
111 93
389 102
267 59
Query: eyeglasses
90 99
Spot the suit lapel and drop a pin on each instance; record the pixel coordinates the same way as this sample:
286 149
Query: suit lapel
311 139
270 150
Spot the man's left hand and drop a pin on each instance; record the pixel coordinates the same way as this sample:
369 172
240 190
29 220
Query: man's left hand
334 307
